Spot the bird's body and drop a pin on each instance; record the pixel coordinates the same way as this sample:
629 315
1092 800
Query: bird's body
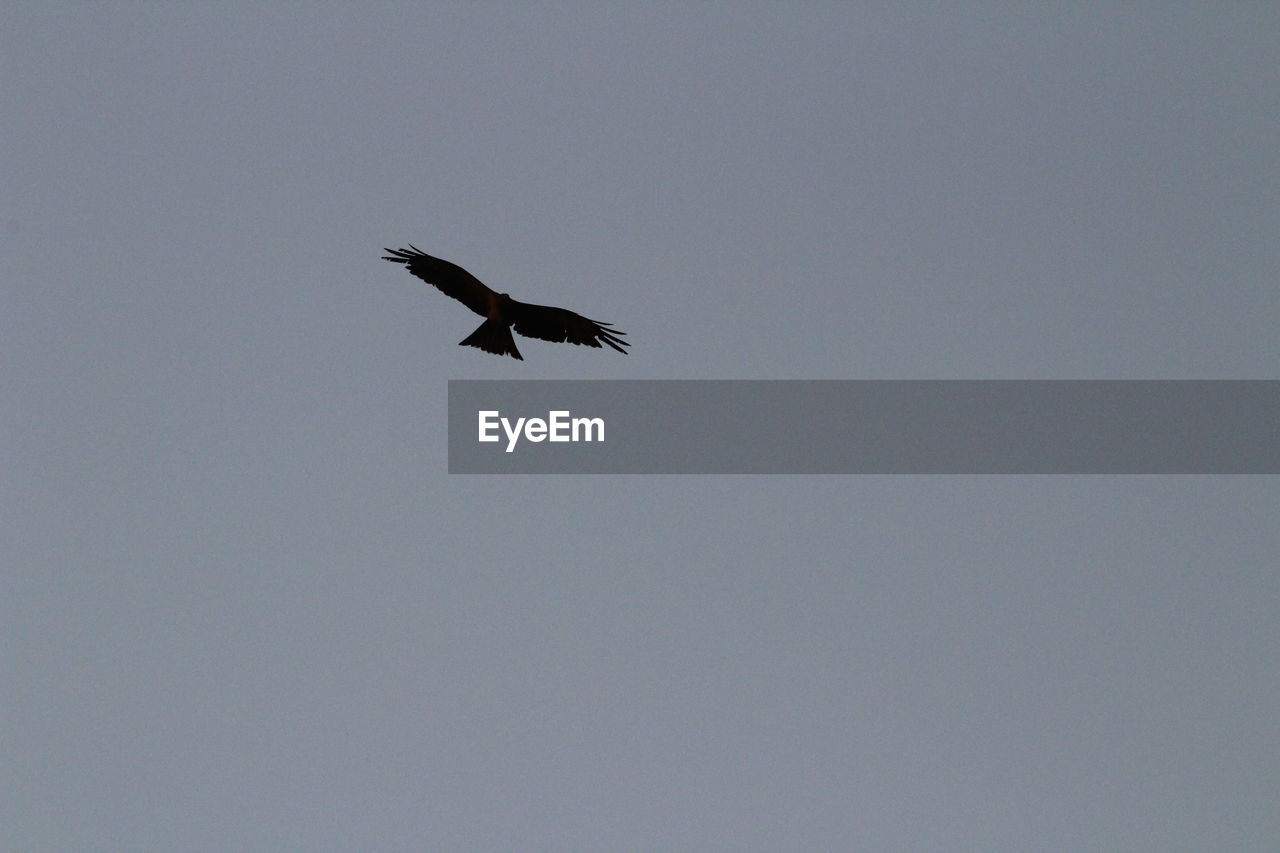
501 312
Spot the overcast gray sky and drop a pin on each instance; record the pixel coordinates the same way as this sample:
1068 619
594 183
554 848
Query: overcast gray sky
245 608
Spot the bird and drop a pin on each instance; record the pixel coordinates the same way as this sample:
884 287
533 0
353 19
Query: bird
501 312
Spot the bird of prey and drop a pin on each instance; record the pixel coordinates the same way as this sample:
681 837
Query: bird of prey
501 311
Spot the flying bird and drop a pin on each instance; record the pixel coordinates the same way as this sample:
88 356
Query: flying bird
501 311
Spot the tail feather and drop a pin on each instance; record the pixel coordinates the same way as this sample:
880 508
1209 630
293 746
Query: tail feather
493 337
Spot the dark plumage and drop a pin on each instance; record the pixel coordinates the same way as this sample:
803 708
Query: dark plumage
501 311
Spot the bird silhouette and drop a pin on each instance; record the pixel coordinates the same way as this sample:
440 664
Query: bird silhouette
501 312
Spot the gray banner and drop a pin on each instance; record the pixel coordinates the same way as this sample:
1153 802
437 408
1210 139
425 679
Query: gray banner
864 427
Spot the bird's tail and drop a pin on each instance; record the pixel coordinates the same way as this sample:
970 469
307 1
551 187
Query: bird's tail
493 337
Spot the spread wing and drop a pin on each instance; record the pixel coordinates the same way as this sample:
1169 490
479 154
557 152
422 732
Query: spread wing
559 325
450 279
